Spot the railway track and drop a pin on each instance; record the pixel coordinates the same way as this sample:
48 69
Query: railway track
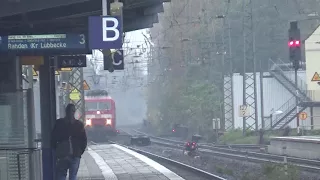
205 149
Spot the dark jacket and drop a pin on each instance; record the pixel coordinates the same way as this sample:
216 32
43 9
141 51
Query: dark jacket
63 129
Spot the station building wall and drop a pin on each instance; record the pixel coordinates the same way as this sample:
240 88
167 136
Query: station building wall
274 96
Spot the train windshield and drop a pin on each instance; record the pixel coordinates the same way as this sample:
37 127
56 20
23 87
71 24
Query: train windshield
98 105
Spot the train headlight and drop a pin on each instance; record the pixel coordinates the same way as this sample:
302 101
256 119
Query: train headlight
108 122
88 122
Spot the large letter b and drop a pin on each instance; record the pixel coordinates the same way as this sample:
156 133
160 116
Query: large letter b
105 29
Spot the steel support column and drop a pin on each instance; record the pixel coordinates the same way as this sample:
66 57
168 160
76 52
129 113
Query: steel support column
64 91
76 82
228 77
48 115
249 68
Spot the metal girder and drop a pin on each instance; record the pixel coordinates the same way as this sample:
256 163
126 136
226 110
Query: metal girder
74 80
249 69
131 4
158 8
13 7
228 77
73 18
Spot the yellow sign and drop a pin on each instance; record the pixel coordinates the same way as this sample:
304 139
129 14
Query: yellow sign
85 85
32 60
66 69
315 77
56 73
303 116
75 95
34 73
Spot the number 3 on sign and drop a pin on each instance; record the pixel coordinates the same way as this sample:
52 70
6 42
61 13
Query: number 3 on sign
82 39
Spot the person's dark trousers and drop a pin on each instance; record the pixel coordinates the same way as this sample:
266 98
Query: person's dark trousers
63 165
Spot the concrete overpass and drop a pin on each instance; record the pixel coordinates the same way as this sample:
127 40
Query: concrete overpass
47 16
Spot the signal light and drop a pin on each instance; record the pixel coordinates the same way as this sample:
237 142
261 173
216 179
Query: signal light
295 43
173 130
291 43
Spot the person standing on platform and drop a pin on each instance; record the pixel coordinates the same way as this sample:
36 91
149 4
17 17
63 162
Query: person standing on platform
68 141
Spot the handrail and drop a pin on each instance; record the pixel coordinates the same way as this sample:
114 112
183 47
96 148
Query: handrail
285 67
285 108
282 68
285 114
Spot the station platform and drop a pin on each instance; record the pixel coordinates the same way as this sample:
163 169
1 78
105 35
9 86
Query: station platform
296 146
114 162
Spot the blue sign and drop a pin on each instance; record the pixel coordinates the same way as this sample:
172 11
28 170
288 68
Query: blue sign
105 32
118 60
71 61
43 42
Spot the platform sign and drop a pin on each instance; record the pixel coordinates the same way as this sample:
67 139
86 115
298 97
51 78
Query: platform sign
105 32
303 115
71 61
118 60
244 111
44 42
75 95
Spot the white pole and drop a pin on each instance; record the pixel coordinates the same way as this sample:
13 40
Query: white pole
104 7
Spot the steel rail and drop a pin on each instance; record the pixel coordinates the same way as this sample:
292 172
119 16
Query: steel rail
186 167
244 146
305 164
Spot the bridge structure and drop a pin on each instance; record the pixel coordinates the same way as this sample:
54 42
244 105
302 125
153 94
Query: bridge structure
51 19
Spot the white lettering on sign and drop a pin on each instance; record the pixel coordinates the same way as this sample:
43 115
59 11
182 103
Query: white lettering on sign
244 111
118 63
36 45
105 29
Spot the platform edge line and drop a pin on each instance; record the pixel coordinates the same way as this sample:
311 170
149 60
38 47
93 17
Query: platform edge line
106 171
162 169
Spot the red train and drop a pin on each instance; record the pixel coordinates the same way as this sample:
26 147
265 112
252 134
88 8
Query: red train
100 114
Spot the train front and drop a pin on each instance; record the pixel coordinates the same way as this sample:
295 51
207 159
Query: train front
100 117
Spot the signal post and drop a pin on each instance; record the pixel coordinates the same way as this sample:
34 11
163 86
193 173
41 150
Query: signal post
295 56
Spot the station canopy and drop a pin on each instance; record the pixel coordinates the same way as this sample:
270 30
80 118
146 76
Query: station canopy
70 16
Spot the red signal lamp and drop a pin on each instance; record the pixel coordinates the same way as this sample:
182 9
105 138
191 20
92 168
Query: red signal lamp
295 43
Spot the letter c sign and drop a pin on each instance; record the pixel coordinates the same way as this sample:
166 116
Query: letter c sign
118 60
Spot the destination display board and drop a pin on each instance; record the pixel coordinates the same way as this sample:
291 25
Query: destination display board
43 43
